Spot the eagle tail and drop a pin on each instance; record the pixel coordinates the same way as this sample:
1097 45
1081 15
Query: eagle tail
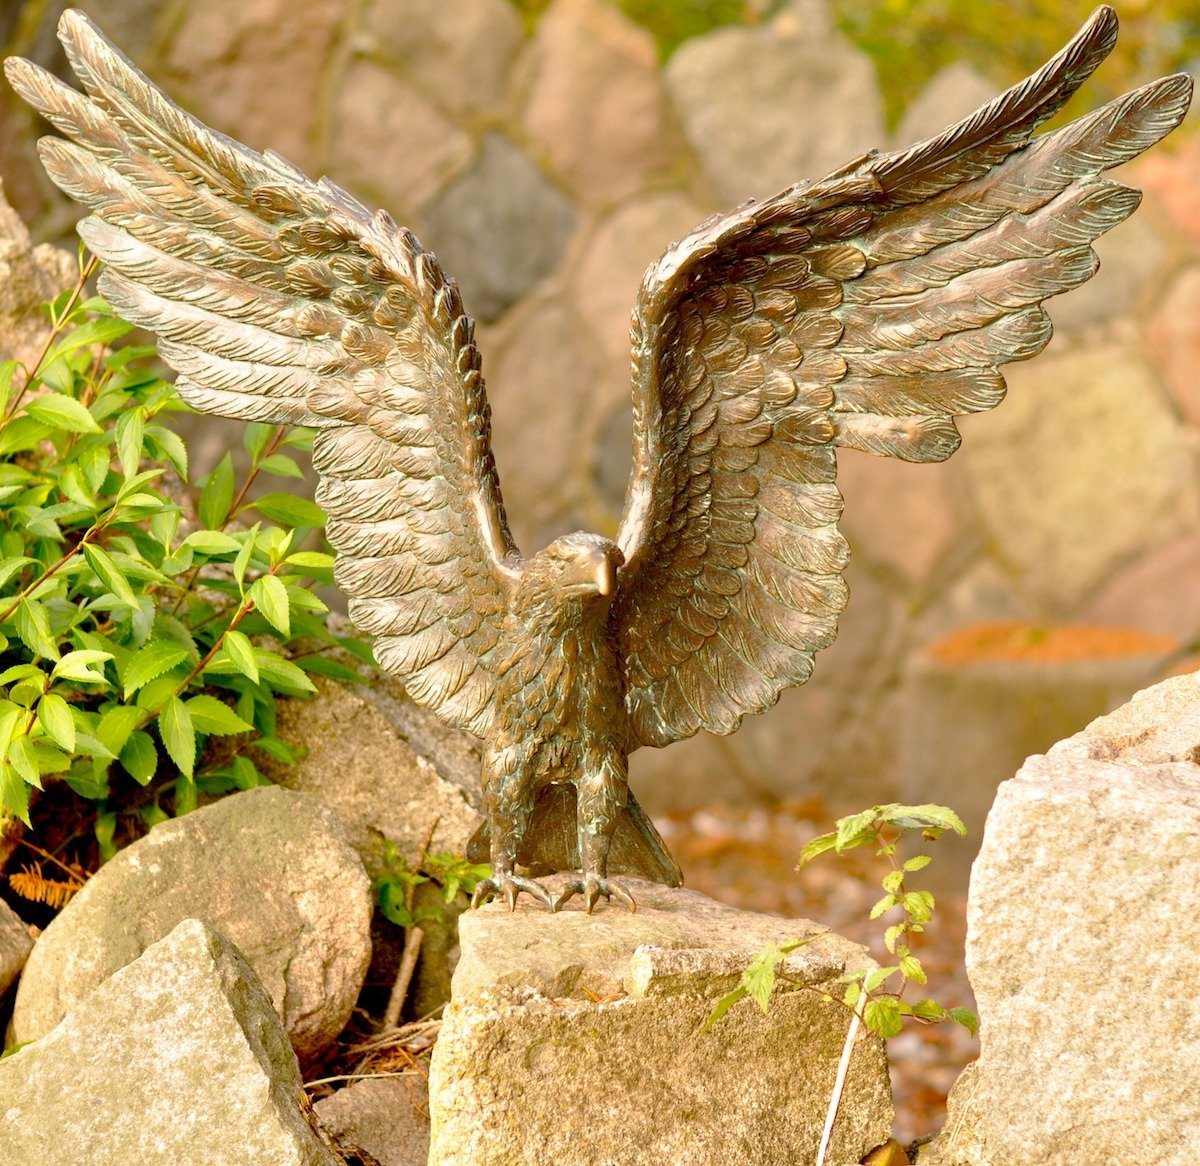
552 840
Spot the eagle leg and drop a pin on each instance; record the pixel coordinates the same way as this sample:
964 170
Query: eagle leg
508 803
603 795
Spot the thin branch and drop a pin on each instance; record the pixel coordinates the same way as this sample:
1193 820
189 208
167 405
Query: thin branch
412 940
835 1099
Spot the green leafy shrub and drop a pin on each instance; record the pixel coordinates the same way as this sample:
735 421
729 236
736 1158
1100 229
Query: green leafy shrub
866 991
142 646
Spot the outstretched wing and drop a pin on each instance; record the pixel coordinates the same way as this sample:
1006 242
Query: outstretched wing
282 300
866 310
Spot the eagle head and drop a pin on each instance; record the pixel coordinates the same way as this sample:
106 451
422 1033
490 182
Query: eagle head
573 574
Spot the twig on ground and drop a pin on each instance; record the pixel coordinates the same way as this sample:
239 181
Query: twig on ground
412 941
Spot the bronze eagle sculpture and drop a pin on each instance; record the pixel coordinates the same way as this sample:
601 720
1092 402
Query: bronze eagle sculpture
864 311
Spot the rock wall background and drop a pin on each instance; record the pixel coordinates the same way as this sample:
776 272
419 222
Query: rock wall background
548 166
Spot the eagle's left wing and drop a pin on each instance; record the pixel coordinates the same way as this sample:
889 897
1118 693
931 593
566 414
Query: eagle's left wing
866 311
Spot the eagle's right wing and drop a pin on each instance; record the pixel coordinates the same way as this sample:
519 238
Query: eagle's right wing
866 311
282 300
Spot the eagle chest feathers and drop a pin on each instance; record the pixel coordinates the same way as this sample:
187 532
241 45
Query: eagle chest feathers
560 692
863 311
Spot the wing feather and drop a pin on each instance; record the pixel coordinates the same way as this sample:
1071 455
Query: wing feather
865 311
282 300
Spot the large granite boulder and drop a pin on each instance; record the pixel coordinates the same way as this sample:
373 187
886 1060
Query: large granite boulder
1082 950
387 767
269 868
576 1039
178 1058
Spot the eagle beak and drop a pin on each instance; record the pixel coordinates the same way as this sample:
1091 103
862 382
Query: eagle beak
605 576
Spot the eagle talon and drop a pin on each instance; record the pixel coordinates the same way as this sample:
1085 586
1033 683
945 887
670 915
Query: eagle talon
510 886
591 888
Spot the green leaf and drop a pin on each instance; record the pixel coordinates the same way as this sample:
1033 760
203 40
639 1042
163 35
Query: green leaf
209 715
817 846
170 445
109 575
78 666
116 724
281 465
324 666
242 562
131 435
759 977
54 715
140 757
919 862
33 627
856 829
723 1005
928 1010
23 759
106 829
11 566
217 496
891 935
212 542
153 814
314 559
241 654
883 1017
103 331
893 881
186 798
910 968
22 433
918 905
14 792
152 661
290 510
884 904
63 413
922 817
966 1018
271 598
256 437
178 735
24 672
877 976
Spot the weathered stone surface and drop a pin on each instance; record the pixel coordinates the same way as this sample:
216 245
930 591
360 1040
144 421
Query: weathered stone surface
385 766
1159 592
269 868
966 724
576 1040
793 102
254 69
177 1058
950 94
15 945
1170 175
900 515
1173 340
385 1121
595 104
1132 258
1082 911
389 142
1041 469
499 229
459 53
29 276
541 367
610 273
